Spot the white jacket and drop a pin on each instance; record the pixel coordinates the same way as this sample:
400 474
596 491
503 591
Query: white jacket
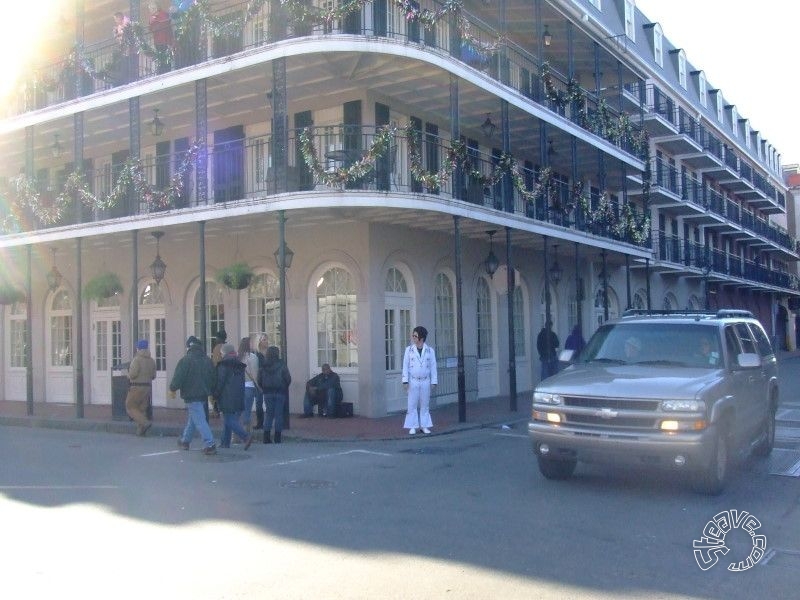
420 367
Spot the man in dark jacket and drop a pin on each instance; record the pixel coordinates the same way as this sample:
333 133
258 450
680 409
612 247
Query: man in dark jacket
547 344
196 379
229 395
274 379
323 390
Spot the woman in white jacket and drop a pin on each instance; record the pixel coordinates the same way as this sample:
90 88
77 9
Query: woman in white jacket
419 377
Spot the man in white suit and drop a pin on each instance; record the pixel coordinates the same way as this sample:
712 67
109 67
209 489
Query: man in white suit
419 376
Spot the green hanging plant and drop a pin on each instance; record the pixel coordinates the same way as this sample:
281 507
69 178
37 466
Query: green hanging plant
103 286
236 276
10 294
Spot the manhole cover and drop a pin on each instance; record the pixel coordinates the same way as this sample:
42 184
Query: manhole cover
307 484
784 462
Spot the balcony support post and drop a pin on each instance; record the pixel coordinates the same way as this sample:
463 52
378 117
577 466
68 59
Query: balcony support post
201 134
455 127
280 128
462 384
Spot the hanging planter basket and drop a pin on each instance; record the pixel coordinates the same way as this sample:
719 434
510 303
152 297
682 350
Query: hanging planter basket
10 295
103 286
236 276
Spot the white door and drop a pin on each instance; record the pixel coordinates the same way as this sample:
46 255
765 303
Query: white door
14 378
58 348
106 352
153 328
397 326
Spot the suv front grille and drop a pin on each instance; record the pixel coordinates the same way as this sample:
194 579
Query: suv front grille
619 421
615 403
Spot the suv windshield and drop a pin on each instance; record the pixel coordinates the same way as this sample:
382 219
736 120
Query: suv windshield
672 344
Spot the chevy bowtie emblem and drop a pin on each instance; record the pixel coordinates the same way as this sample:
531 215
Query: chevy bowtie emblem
606 413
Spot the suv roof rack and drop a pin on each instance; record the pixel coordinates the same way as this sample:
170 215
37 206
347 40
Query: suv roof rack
723 313
633 312
727 313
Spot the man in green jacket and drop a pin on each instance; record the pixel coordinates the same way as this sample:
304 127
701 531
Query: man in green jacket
195 377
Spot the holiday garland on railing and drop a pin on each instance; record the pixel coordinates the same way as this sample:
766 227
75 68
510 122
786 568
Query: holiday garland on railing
602 121
131 175
628 225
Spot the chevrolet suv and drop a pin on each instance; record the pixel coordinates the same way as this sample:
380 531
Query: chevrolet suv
687 391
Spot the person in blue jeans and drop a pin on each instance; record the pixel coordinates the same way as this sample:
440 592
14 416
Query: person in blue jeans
251 389
196 379
274 379
323 390
229 395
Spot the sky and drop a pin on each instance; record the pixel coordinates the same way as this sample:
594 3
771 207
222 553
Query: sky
747 49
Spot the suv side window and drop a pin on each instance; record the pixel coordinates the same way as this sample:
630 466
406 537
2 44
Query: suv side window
748 345
732 344
762 341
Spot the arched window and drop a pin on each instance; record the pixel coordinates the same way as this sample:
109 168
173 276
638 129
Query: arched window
444 317
151 295
337 334
264 307
61 330
519 322
18 327
397 325
215 310
670 301
599 308
639 300
484 319
694 303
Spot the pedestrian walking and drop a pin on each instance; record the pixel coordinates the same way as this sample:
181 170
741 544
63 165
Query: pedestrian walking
419 377
140 376
274 378
195 377
230 394
251 389
261 353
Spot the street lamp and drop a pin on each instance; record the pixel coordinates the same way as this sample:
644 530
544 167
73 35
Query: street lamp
555 271
53 275
156 125
288 256
491 263
158 267
706 273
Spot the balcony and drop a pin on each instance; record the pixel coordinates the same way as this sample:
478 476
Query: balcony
364 161
687 140
107 64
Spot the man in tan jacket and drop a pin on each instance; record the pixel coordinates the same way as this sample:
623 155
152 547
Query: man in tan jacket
141 374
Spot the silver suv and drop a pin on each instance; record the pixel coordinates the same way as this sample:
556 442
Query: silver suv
689 391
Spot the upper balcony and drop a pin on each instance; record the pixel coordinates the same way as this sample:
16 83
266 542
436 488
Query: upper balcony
212 31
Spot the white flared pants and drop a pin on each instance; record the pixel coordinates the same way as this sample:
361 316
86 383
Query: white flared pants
419 404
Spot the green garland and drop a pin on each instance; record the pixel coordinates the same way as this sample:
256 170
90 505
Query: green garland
25 195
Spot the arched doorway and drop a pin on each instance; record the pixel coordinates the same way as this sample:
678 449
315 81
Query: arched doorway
398 321
15 377
58 347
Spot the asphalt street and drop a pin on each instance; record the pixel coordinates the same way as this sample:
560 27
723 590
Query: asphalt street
99 515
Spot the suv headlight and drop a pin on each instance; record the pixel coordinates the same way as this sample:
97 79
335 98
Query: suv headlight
547 398
683 406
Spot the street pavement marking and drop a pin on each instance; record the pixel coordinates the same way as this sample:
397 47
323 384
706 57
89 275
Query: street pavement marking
59 487
321 456
159 453
511 435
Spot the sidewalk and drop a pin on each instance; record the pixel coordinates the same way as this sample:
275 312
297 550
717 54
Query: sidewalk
169 422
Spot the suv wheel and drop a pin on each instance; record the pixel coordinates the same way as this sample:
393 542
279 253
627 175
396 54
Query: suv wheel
713 478
556 469
764 448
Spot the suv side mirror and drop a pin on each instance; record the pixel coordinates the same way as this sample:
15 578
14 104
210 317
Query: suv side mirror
748 360
566 355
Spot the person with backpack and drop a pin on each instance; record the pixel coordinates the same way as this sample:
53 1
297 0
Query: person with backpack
274 379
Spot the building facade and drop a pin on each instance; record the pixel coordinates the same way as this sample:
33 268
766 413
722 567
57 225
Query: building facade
359 168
